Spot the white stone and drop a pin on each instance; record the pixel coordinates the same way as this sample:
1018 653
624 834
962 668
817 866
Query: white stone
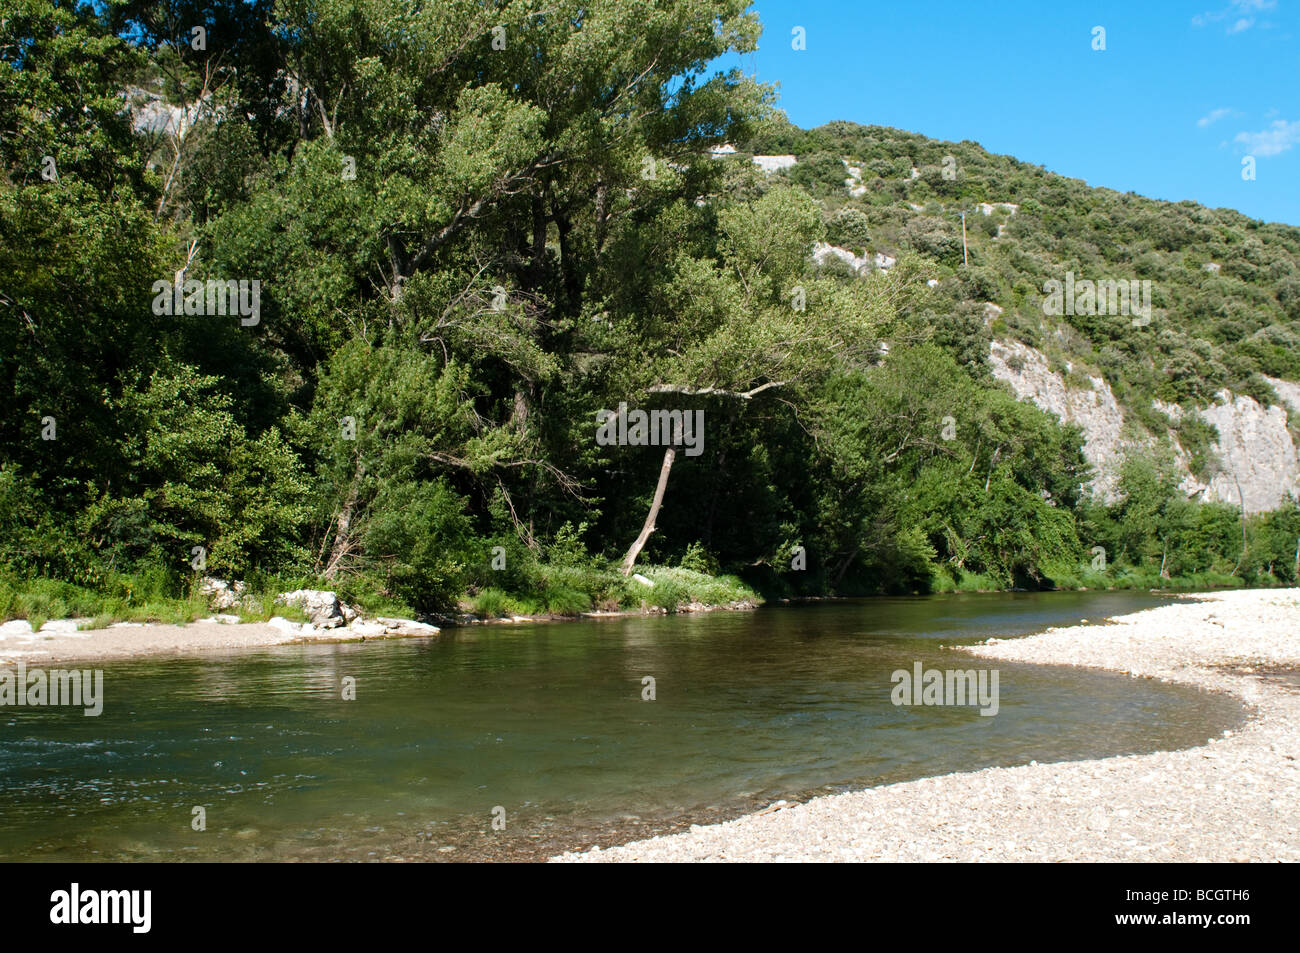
321 605
407 627
60 625
774 163
823 251
221 594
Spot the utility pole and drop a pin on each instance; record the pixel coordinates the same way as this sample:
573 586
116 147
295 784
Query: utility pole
965 256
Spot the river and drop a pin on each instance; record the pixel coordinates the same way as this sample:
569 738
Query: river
520 741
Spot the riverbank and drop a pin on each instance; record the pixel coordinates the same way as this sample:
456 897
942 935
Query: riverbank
1236 798
151 639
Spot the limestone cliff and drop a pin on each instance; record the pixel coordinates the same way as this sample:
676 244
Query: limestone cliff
1256 461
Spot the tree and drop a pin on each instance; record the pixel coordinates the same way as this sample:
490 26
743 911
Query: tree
743 326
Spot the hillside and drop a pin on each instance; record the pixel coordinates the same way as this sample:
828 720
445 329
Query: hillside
1196 374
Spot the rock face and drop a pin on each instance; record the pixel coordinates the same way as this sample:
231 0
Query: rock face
322 606
1255 453
149 112
822 251
1027 370
1290 393
775 163
1257 461
854 180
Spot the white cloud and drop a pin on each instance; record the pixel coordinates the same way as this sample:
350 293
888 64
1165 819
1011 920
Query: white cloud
1274 140
1212 117
1239 10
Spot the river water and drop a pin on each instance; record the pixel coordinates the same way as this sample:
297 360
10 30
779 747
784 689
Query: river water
516 742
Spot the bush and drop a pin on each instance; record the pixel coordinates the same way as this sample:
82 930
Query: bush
419 534
849 228
698 559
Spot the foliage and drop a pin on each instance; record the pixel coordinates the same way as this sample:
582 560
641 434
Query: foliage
466 249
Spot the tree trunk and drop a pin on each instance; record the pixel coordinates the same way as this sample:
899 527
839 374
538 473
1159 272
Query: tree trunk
844 567
537 267
629 560
602 216
342 536
992 463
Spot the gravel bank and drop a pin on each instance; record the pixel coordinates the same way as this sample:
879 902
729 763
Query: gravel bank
151 639
1237 798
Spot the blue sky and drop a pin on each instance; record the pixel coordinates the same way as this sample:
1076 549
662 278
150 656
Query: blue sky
1182 92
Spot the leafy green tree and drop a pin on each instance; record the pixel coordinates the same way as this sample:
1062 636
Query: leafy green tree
849 228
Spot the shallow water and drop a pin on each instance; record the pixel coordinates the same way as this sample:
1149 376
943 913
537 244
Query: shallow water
548 723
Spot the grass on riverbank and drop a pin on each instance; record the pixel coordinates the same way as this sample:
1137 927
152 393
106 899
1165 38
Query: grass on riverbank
546 590
145 597
570 590
175 599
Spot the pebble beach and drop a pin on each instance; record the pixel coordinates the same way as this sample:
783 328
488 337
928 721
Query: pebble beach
1234 798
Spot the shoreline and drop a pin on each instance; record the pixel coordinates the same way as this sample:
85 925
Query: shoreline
1235 798
160 639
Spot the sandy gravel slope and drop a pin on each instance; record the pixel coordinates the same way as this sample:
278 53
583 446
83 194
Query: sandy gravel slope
1236 798
150 640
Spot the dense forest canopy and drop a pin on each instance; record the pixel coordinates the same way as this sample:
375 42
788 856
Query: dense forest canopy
468 228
